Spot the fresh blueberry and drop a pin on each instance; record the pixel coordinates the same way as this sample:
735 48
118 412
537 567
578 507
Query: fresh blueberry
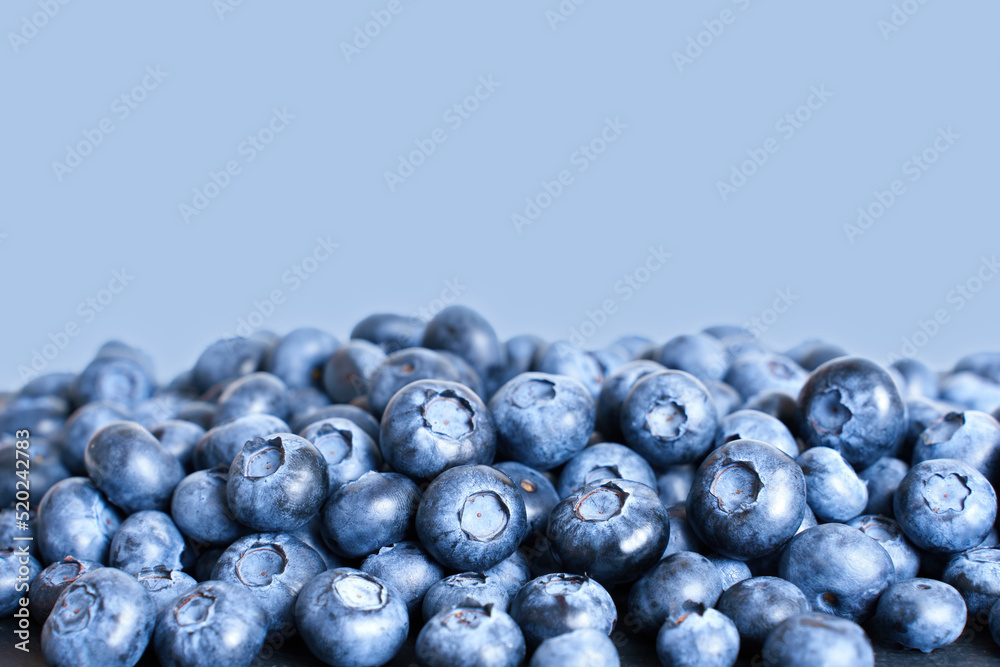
767 566
359 416
179 437
747 499
146 539
971 391
118 379
470 634
984 364
200 510
976 575
408 568
11 526
347 448
256 393
373 511
634 347
613 531
577 648
201 413
298 358
537 492
277 483
349 370
730 571
519 353
511 573
465 332
669 418
432 425
273 567
944 505
467 375
919 379
215 624
753 373
557 603
455 590
46 470
971 436
163 584
161 407
311 532
905 557
75 519
852 405
471 517
602 461
305 401
813 353
923 614
883 478
18 569
392 332
724 331
349 618
105 617
51 582
818 640
727 400
563 358
682 536
132 468
614 390
43 416
833 490
758 605
674 483
81 425
779 404
680 584
403 367
542 420
701 355
698 639
228 359
841 570
59 385
756 425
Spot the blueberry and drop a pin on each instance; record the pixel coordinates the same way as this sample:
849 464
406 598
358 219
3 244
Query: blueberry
852 405
228 359
215 624
730 571
883 478
813 353
467 375
349 618
14 562
558 603
179 437
12 527
118 379
164 584
905 557
818 640
944 505
349 370
256 393
614 390
43 416
779 404
51 582
613 531
920 413
390 331
923 614
277 483
674 483
403 367
680 584
273 567
432 425
563 358
81 425
349 450
298 358
408 568
758 605
542 420
470 634
756 425
682 536
359 416
698 639
471 517
305 401
129 465
747 499
634 347
701 355
75 519
833 490
201 413
46 470
918 378
984 364
311 533
146 539
105 617
669 418
577 648
971 436
59 385
458 589
200 509
373 511
537 492
976 575
724 331
511 573
465 332
971 391
602 461
840 569
519 354
161 407
756 372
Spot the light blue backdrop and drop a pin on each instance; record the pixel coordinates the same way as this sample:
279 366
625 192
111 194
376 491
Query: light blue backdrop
172 170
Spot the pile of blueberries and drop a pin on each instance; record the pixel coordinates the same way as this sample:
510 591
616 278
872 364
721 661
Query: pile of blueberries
500 501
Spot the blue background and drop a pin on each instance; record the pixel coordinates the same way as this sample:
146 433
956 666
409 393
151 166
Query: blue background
323 176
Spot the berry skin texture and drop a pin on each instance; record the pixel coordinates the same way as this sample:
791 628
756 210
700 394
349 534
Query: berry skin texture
922 614
818 640
698 639
554 604
470 634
